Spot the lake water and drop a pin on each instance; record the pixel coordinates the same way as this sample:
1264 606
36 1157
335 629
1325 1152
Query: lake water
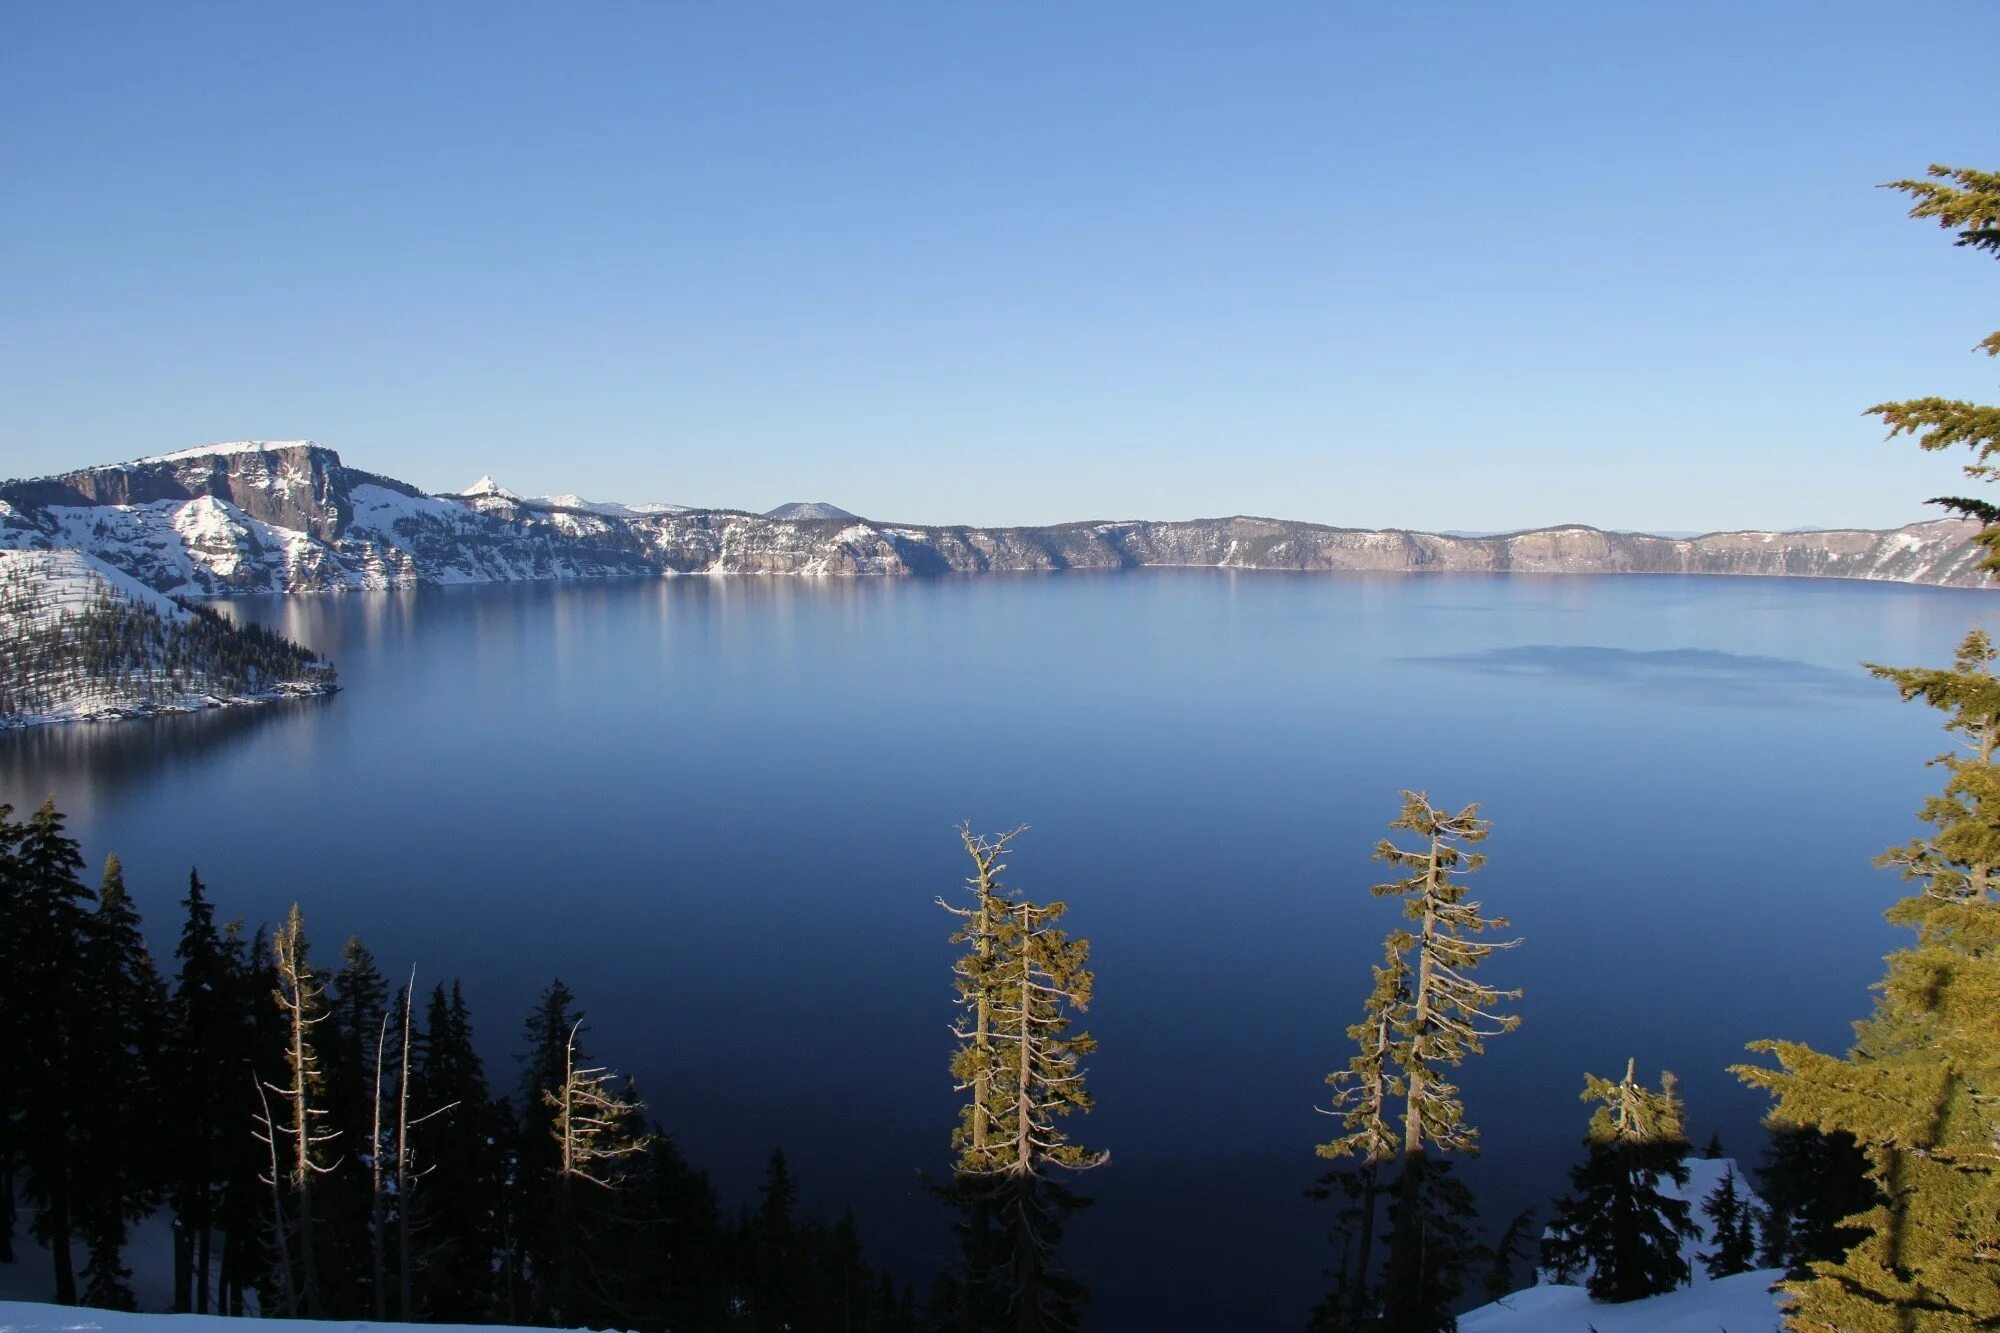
721 808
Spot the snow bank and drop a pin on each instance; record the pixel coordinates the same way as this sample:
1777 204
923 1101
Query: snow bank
1740 1304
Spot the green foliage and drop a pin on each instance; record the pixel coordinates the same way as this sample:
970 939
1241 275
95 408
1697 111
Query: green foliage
1918 1089
1617 1229
1967 201
1421 1018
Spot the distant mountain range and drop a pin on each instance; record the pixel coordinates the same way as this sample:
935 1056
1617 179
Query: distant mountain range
289 516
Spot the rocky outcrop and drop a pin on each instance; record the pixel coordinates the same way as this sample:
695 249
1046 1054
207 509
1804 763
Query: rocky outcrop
291 517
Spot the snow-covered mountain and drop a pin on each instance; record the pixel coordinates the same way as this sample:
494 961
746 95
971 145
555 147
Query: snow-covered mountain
290 516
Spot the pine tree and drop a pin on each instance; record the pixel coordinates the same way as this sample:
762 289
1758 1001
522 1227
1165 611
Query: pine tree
1968 202
1618 1226
51 926
465 1195
1042 980
597 1134
1735 1241
1917 1090
977 1072
352 1049
553 1024
775 1258
1362 1100
1811 1184
14 1029
1505 1273
118 1167
1448 1017
297 1143
201 1078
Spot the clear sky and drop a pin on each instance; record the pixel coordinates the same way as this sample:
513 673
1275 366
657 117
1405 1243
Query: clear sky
1431 264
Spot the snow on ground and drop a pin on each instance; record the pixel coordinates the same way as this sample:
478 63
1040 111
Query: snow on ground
70 581
1740 1304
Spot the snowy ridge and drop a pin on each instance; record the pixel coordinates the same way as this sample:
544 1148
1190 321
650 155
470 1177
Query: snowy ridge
290 517
223 450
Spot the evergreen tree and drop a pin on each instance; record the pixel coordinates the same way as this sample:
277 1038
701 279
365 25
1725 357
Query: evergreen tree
1448 1017
1506 1274
357 1045
1966 201
1362 1097
775 1258
1042 979
1917 1090
14 1030
1811 1184
552 1026
297 1142
1730 1224
1618 1226
51 923
597 1133
118 1164
978 1074
206 1064
466 1186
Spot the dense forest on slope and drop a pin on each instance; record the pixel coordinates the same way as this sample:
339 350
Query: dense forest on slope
73 644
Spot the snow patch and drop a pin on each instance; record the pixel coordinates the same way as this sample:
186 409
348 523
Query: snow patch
233 447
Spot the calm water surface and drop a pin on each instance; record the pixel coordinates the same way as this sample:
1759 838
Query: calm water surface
720 809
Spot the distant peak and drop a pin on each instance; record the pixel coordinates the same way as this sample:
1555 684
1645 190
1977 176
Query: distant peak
488 486
808 509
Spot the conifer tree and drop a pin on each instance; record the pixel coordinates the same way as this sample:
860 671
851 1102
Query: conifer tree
352 1047
13 1025
1618 1226
1811 1183
597 1134
977 1073
1042 979
1448 1016
51 925
118 1167
1363 1094
553 1024
1505 1274
1968 202
205 1057
1917 1090
297 1142
1730 1224
464 1198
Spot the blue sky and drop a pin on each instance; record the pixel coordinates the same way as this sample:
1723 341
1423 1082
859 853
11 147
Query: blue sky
1431 264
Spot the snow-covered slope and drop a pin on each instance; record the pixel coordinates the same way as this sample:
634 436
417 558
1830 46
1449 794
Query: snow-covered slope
166 658
289 516
1740 1304
1737 1304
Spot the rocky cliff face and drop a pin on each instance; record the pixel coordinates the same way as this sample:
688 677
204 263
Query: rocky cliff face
291 517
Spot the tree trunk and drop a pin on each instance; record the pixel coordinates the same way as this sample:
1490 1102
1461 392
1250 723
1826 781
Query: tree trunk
59 1247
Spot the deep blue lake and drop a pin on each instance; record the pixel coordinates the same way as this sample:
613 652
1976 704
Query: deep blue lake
721 809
